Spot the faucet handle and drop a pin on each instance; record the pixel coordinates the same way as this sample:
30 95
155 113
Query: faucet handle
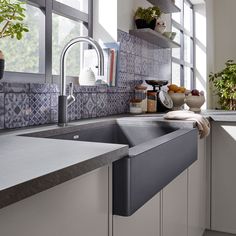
71 88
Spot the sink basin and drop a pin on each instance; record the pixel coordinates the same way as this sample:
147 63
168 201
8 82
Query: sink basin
158 152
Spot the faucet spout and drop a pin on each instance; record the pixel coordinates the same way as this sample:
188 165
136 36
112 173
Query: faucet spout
64 101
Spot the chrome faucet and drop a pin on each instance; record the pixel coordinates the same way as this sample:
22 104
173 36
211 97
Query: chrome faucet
65 101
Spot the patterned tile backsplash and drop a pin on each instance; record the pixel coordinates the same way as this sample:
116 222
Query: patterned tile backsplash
23 104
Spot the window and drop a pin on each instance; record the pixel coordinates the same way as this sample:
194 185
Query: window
27 55
182 58
51 25
63 31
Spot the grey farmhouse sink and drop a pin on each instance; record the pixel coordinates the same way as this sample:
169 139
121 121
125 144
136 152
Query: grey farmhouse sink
158 152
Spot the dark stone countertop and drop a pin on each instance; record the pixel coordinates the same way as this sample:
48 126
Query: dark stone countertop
29 165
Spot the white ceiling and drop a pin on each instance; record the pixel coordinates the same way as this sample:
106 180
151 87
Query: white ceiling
197 1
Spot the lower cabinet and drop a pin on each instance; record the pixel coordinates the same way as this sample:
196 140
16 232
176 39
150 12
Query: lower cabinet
77 207
145 221
223 197
82 206
175 203
197 188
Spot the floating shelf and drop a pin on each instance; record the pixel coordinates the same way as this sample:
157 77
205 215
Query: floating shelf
154 37
167 6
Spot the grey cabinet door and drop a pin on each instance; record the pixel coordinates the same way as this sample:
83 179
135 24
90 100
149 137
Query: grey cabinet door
145 221
175 202
197 186
223 207
77 207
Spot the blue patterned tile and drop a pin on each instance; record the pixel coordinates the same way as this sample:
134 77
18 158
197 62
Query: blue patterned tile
130 44
150 67
40 109
121 105
122 38
112 104
156 70
138 65
122 78
123 62
144 66
75 109
40 88
112 89
156 54
102 88
102 106
88 89
130 82
150 48
1 110
2 87
54 107
17 110
16 88
89 105
138 46
130 63
54 88
144 49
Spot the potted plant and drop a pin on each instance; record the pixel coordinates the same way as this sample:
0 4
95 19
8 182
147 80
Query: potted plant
225 84
146 18
11 23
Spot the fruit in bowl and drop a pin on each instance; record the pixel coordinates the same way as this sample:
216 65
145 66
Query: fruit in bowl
195 100
177 95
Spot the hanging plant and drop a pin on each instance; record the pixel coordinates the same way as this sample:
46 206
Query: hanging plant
225 85
12 15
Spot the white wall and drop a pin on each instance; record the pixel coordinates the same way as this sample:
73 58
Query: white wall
200 48
221 42
105 20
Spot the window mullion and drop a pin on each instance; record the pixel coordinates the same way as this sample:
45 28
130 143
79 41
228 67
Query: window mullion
90 18
69 12
48 41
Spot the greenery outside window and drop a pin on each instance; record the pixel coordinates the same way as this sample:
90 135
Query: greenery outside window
51 25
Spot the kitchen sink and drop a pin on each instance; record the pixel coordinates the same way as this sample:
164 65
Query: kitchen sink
158 152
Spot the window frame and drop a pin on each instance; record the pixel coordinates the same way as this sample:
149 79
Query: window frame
48 7
181 62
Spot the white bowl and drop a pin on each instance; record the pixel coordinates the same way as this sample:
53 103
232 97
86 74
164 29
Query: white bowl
178 100
195 102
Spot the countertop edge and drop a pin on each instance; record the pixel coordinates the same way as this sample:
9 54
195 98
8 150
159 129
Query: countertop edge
24 190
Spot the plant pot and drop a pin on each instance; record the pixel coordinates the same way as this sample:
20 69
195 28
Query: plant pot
2 66
142 24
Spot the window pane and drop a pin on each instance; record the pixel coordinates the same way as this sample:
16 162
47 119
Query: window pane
188 17
27 54
176 74
187 77
177 16
187 49
64 30
81 5
176 51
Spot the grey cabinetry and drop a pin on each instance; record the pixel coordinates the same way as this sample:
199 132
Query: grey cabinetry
175 201
145 221
223 207
76 207
197 186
